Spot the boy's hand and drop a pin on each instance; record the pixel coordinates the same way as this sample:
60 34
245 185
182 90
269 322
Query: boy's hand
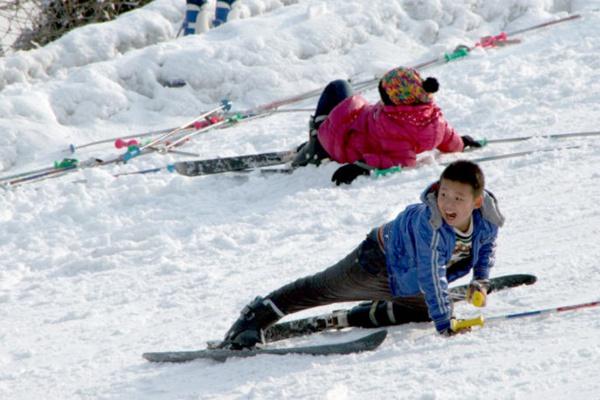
477 292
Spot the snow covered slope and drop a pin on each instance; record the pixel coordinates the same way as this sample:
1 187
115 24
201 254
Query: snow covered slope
94 274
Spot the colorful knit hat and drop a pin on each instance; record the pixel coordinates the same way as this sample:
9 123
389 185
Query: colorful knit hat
404 86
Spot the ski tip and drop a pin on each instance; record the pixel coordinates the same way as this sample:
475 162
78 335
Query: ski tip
168 357
527 279
376 338
518 279
181 167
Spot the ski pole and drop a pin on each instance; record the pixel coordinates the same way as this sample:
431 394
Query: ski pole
225 105
213 123
5 179
492 41
169 168
73 147
480 321
485 142
376 172
545 311
517 154
544 24
184 138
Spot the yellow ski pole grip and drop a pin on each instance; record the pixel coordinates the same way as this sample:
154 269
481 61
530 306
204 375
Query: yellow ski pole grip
478 299
460 324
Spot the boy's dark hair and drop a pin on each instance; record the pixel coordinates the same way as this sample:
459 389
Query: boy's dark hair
467 172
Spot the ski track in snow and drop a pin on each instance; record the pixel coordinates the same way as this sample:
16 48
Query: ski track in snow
97 272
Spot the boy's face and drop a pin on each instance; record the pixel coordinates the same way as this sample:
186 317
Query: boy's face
456 202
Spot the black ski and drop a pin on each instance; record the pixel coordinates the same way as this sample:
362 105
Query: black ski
237 163
338 319
496 284
364 343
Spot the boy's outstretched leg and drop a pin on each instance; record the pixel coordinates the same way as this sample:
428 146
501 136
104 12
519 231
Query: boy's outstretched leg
361 275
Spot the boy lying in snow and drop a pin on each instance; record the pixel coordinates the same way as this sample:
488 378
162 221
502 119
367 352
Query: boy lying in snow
347 129
407 262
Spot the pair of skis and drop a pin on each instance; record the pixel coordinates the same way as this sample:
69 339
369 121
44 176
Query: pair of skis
306 326
261 160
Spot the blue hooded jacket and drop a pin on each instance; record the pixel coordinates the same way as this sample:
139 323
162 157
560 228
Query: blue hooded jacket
419 244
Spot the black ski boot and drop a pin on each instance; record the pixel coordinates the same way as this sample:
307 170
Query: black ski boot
247 331
311 152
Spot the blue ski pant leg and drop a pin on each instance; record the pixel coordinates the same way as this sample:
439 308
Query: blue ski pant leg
332 95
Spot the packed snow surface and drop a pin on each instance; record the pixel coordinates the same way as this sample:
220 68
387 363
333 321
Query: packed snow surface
96 270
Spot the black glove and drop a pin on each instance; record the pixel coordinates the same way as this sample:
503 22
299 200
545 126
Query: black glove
468 141
347 173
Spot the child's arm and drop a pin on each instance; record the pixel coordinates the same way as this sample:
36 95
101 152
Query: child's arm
431 273
486 258
451 142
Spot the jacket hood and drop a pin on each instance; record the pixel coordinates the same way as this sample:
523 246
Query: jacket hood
417 115
489 209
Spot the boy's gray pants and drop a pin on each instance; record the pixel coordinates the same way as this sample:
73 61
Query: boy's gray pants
361 275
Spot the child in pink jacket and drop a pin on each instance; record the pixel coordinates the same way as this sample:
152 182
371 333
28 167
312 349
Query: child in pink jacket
349 130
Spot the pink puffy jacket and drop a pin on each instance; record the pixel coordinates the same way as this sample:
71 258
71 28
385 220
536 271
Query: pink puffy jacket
385 136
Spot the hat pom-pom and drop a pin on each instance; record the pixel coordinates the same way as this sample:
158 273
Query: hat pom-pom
431 85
